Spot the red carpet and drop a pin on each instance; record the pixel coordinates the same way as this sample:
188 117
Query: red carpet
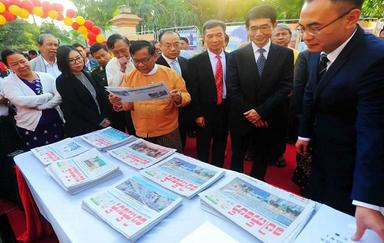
279 177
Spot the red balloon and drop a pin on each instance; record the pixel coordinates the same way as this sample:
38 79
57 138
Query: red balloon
91 36
60 17
45 13
27 5
7 3
71 13
58 7
15 2
91 42
96 30
75 26
46 6
36 3
89 24
8 16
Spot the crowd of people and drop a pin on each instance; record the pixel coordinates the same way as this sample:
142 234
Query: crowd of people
329 98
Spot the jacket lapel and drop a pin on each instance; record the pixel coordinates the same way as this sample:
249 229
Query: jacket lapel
272 58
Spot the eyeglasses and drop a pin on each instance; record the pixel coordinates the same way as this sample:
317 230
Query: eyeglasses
263 28
315 31
144 61
75 60
174 45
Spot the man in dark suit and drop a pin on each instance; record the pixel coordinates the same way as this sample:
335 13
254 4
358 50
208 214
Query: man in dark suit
260 79
209 94
343 111
170 57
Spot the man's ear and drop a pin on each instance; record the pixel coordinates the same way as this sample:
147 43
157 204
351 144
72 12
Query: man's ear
353 17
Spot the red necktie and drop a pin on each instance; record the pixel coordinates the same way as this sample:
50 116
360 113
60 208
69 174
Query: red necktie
219 80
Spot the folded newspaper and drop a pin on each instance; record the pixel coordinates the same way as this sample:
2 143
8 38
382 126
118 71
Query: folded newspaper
83 171
266 212
107 138
132 207
141 154
183 175
148 92
63 149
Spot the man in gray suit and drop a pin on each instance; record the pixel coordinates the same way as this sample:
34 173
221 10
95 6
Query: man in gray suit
46 61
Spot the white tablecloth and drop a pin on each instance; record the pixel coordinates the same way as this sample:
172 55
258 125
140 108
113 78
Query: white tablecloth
73 224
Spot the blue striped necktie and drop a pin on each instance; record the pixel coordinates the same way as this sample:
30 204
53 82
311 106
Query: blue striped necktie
261 61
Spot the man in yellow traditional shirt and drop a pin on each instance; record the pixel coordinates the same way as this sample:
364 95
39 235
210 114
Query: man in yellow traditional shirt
154 120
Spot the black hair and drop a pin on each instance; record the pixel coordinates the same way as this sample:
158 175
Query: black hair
261 12
212 23
62 59
96 47
184 39
167 32
115 37
7 52
140 44
356 3
42 37
381 30
76 45
32 52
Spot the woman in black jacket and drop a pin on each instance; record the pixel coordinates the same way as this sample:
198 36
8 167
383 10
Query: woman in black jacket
84 102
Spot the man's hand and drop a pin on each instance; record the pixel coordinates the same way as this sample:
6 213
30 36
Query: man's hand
368 219
200 121
252 116
123 63
116 102
105 123
261 123
302 146
175 95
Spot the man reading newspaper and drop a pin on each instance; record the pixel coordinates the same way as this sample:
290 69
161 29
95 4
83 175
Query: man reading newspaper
154 120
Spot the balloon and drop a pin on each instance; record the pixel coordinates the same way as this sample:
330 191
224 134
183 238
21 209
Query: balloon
53 14
82 29
38 11
46 6
80 20
36 3
68 21
58 7
96 30
60 17
6 3
85 36
100 38
2 8
15 10
24 13
71 13
27 5
89 24
91 42
91 36
9 17
45 13
3 20
75 26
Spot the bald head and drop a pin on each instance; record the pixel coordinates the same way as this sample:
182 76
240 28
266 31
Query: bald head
170 44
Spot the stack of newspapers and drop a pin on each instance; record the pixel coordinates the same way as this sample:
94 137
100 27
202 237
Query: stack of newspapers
183 175
266 212
132 207
141 154
83 171
63 149
107 138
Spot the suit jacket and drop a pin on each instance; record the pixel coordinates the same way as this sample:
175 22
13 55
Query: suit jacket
268 94
183 62
203 86
79 108
300 81
344 115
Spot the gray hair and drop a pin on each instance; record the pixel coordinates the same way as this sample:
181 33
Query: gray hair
42 37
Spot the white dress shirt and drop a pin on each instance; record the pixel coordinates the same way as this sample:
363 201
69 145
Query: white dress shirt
52 69
213 60
114 73
257 53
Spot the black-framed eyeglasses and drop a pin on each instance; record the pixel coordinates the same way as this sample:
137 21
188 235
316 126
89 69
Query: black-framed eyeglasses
75 60
263 28
144 61
315 31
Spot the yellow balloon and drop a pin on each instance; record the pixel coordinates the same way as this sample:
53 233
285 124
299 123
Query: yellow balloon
53 14
15 10
2 7
80 20
68 21
85 36
83 30
24 13
38 11
100 38
3 20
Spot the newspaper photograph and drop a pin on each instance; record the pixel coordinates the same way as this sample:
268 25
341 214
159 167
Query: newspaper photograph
183 175
132 207
141 154
268 213
148 92
107 137
63 149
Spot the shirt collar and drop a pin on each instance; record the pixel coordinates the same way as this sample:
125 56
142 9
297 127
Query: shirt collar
168 59
213 55
46 63
152 72
335 53
266 47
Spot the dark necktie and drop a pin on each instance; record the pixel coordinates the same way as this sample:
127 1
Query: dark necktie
322 68
261 61
219 79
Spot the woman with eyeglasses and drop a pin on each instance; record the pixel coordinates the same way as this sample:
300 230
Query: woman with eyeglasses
84 101
38 117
